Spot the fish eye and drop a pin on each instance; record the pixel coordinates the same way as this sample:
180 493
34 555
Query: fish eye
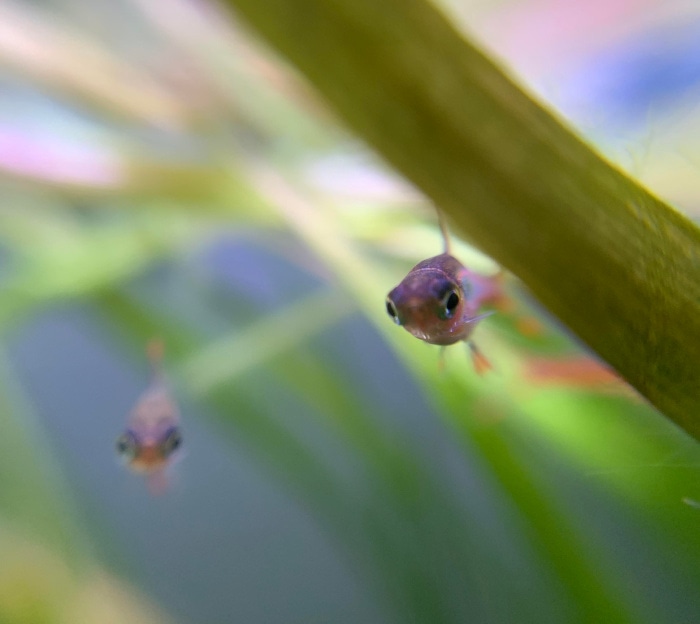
449 303
171 442
392 311
127 445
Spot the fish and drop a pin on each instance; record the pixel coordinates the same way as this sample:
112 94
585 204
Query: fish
152 438
577 371
440 301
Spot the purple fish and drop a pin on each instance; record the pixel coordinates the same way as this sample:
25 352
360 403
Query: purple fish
440 302
152 435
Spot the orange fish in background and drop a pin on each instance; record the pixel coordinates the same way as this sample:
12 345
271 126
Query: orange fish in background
440 301
152 436
578 371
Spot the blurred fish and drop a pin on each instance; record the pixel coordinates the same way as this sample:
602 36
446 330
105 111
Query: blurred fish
440 300
575 372
152 436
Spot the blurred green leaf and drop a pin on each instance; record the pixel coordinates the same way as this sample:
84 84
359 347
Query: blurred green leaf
276 333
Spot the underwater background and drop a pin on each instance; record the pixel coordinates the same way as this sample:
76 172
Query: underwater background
164 175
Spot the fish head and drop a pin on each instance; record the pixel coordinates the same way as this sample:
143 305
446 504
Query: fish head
432 305
147 451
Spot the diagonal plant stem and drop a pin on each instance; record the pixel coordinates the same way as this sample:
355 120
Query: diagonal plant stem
276 333
614 263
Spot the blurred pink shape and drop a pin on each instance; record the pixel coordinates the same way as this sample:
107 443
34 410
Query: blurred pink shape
539 35
350 177
48 159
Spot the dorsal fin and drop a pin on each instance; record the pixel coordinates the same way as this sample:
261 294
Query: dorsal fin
443 230
155 350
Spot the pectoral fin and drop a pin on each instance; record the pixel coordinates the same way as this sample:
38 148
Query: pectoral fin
481 363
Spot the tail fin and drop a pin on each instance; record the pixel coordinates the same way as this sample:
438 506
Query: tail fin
490 290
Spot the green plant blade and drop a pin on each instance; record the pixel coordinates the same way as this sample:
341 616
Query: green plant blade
619 267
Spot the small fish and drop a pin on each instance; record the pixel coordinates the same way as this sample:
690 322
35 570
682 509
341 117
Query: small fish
439 301
578 371
152 436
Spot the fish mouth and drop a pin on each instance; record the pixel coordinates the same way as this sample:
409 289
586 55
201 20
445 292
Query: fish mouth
418 333
146 468
443 336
